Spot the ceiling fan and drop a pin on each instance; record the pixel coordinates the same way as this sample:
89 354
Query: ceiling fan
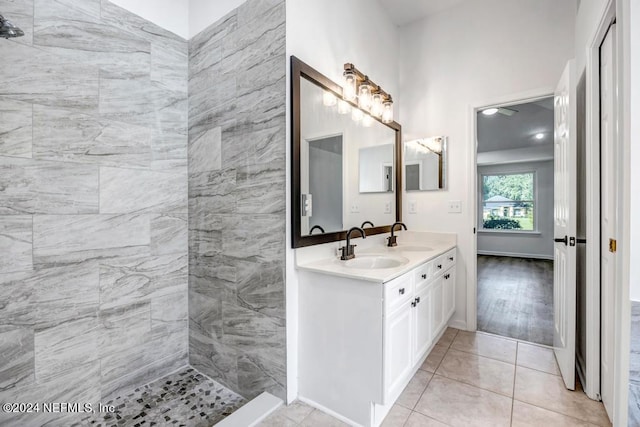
499 110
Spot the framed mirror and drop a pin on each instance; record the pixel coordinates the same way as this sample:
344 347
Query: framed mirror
344 171
425 163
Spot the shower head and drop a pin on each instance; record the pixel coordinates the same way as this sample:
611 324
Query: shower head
7 29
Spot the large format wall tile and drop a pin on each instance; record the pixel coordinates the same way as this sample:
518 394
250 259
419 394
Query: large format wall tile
49 296
98 304
76 238
16 133
133 190
237 129
16 357
15 243
66 135
34 187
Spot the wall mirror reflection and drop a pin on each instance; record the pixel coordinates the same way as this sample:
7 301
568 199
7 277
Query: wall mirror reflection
344 163
425 164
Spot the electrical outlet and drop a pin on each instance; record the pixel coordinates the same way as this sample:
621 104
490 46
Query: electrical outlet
355 207
455 206
387 208
413 207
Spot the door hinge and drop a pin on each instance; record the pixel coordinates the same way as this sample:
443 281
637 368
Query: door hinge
613 245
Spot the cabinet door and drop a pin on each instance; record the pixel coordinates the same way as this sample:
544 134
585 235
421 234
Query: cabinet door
422 323
449 293
437 306
398 360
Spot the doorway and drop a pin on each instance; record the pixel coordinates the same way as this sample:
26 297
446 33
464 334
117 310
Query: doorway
515 166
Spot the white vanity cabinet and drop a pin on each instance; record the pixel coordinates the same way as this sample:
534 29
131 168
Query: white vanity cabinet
361 341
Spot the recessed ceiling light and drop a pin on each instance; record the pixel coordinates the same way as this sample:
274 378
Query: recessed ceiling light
489 111
539 136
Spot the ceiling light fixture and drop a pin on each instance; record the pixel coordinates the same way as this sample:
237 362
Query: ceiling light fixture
539 136
489 111
364 94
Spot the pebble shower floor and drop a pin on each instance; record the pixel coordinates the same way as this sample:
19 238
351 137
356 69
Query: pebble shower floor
184 398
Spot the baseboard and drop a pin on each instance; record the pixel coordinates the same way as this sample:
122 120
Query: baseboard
458 324
516 255
254 412
327 411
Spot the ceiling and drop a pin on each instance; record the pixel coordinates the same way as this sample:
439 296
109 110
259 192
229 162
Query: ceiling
499 132
405 11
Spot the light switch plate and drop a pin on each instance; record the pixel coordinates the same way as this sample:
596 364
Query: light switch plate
455 206
387 208
355 207
413 207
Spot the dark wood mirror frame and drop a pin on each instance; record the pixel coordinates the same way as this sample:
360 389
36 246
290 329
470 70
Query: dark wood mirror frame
301 70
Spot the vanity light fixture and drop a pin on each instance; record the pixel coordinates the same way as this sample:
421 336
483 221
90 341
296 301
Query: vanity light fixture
361 92
356 114
350 89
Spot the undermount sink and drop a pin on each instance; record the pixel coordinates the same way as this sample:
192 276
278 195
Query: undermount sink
375 262
408 248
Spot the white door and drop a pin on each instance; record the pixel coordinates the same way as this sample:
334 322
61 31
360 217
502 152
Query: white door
608 203
399 345
564 253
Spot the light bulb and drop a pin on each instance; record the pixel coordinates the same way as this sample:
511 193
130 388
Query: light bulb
489 111
343 107
387 112
349 90
376 105
367 121
356 114
364 96
329 99
540 136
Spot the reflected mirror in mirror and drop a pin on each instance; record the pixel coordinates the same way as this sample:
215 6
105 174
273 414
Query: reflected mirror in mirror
425 164
376 169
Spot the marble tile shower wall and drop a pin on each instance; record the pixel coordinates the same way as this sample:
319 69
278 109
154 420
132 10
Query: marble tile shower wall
237 199
93 202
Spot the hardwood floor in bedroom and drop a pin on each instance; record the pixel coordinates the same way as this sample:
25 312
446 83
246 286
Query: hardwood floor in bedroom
515 298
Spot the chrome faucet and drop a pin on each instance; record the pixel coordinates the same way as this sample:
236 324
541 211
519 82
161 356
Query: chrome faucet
347 249
391 240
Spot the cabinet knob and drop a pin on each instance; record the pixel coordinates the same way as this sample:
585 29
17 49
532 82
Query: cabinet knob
450 258
439 266
401 291
424 276
413 303
417 300
446 276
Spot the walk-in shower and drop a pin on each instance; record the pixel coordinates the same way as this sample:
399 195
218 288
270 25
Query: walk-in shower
8 30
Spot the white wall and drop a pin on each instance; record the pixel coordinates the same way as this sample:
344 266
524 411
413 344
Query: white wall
472 55
635 150
172 15
203 13
325 35
531 245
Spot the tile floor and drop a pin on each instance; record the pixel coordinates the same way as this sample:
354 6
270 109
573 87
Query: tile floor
184 398
476 379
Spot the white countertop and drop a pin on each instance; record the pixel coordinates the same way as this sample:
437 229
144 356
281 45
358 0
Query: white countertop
410 245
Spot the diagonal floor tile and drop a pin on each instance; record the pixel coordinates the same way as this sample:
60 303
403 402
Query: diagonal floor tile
525 415
320 419
432 361
548 391
397 416
448 337
414 389
418 420
463 405
479 371
537 357
486 345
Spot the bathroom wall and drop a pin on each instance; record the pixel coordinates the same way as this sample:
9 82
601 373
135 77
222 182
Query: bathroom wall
635 149
237 199
93 202
469 56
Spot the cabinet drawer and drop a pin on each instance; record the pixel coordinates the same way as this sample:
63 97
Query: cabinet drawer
397 292
449 258
438 265
422 275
